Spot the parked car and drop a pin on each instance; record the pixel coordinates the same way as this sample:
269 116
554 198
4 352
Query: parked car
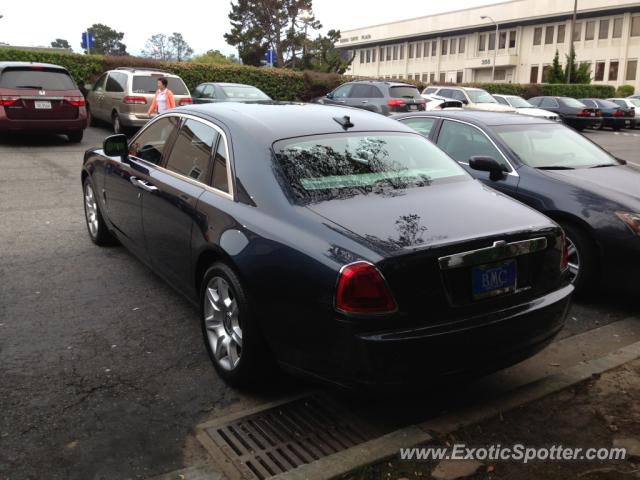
435 102
591 194
525 108
121 97
40 98
571 111
272 235
613 115
211 92
376 96
629 103
472 98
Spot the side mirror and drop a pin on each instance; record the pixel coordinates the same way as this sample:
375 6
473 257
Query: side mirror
330 95
88 87
488 164
465 101
116 146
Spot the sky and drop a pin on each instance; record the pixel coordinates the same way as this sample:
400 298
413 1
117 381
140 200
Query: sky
203 24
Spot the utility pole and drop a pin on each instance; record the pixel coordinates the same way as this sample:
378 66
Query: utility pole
495 46
571 51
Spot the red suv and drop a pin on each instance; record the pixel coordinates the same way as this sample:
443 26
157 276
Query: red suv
40 98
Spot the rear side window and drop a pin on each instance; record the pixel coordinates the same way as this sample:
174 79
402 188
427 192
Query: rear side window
421 125
40 78
244 93
192 150
220 176
149 84
149 145
404 92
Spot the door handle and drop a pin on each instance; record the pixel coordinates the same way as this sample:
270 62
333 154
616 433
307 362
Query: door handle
341 101
143 184
365 101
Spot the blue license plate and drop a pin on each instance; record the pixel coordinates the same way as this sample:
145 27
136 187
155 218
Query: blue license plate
494 279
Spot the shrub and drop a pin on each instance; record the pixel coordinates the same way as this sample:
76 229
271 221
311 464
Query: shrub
576 90
625 91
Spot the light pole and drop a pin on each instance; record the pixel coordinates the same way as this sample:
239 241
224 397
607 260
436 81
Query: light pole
495 47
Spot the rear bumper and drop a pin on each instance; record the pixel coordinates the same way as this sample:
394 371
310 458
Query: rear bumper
618 122
582 122
42 126
466 347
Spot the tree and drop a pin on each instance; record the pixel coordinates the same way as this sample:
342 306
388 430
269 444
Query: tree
180 49
106 41
212 57
158 47
257 25
555 74
61 43
322 55
579 74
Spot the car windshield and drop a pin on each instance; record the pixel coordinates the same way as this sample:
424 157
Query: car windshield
552 146
404 92
40 78
149 84
481 96
519 102
635 101
334 166
573 103
237 92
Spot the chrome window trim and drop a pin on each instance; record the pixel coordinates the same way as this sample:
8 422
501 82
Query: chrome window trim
513 171
230 194
500 250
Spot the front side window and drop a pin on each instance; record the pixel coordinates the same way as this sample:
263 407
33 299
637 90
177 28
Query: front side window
462 141
149 144
421 125
192 150
100 83
336 166
552 146
343 91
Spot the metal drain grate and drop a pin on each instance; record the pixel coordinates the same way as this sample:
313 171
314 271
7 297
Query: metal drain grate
281 438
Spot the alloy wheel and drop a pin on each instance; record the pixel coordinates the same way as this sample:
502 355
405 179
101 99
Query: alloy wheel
574 260
91 210
221 317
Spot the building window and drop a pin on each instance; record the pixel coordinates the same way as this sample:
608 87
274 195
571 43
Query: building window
632 67
382 54
361 56
635 26
389 54
395 52
603 32
432 78
577 32
502 41
548 35
368 54
560 37
512 39
599 75
617 28
443 77
500 74
461 45
444 44
613 70
481 42
425 49
537 35
418 50
545 73
401 52
492 41
459 76
410 53
434 48
533 77
590 30
452 46
373 55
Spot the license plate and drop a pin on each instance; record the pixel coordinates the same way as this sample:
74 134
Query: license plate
593 114
42 105
413 107
494 279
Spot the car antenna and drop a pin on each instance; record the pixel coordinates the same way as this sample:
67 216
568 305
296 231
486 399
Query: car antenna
344 121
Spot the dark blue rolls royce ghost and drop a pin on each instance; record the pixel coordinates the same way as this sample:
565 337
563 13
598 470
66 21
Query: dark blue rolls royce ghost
592 195
335 241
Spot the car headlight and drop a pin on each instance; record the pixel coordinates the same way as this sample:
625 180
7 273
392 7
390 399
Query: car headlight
631 220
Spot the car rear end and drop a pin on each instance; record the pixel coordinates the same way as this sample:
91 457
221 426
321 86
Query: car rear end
434 102
142 88
578 115
40 98
403 98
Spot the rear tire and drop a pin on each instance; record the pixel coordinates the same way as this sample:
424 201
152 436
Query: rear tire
75 137
231 334
583 259
115 121
96 226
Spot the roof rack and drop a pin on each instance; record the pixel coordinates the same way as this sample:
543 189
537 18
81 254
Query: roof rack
143 69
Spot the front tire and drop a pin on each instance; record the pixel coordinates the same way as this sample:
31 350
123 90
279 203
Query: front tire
231 335
96 226
75 137
583 259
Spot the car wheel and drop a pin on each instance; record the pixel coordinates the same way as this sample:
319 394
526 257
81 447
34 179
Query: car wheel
583 259
75 137
98 231
231 335
115 121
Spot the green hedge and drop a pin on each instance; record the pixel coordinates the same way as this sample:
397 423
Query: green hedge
625 91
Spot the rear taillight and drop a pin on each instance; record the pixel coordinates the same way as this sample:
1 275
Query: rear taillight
361 289
134 100
564 259
618 113
185 101
395 103
584 113
8 100
75 101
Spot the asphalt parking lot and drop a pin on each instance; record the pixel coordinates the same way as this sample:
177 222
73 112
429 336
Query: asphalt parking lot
104 373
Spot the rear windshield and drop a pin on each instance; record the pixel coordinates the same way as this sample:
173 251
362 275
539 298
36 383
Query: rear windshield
607 104
334 166
244 93
481 96
404 92
43 79
573 103
149 84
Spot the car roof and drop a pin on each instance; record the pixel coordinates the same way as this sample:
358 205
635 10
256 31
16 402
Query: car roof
271 121
228 84
384 82
4 65
465 89
479 118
